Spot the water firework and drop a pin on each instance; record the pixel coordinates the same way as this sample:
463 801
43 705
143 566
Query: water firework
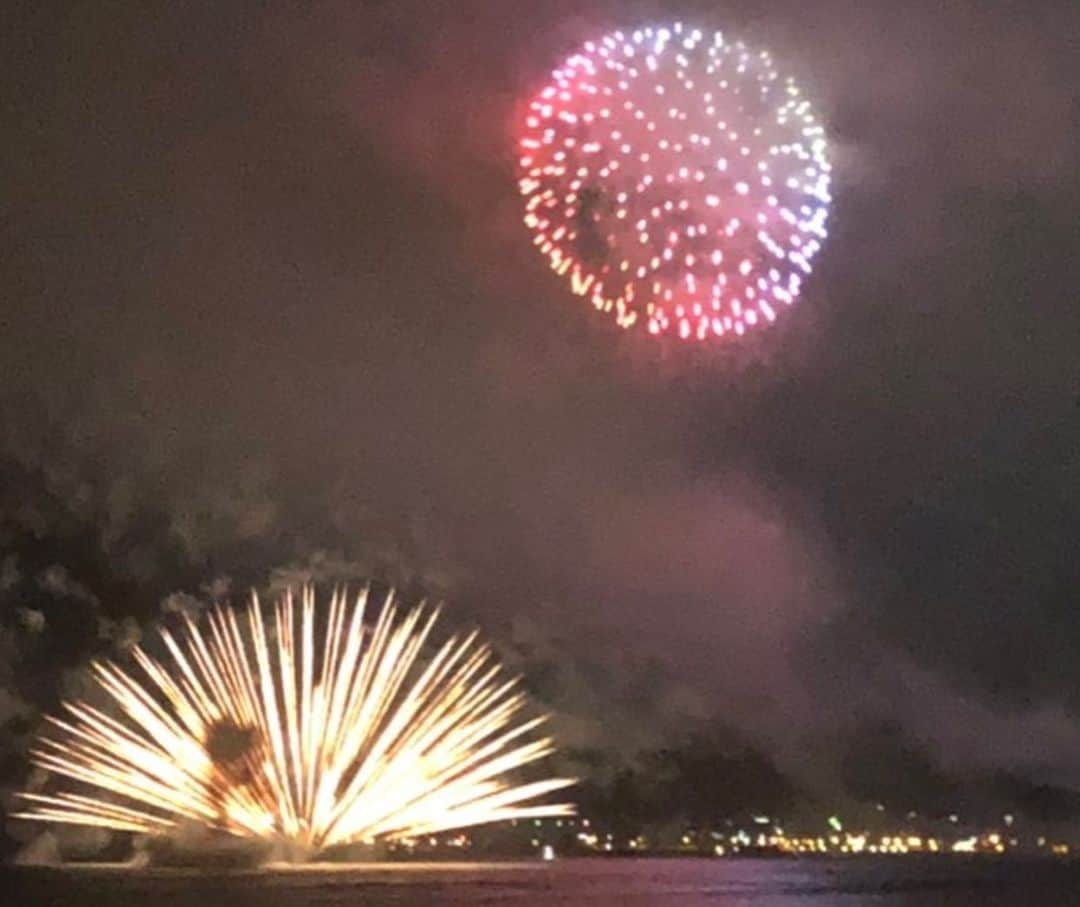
677 181
314 731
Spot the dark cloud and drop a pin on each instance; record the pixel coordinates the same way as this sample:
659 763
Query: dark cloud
269 316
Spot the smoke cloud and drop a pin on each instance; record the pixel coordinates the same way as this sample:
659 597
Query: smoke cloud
271 318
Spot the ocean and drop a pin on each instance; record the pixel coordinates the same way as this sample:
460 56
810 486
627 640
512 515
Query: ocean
587 882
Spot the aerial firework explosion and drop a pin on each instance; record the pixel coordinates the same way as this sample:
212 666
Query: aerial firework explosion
316 737
677 181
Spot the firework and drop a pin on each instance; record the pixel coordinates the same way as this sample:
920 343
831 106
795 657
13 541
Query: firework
315 735
677 181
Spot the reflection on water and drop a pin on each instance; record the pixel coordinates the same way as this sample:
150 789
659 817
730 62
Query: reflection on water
599 883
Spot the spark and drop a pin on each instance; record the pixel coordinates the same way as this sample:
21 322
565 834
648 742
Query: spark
317 732
710 138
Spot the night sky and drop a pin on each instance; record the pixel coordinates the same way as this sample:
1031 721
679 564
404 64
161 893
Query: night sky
269 313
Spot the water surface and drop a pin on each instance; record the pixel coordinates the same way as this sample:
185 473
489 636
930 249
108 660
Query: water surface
592 883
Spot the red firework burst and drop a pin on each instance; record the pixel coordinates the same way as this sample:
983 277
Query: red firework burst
677 181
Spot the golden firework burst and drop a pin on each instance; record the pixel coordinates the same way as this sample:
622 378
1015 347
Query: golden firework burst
317 731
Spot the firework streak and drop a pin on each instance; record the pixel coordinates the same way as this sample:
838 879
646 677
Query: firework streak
279 730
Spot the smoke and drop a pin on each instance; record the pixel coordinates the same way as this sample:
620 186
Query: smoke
44 850
273 319
968 733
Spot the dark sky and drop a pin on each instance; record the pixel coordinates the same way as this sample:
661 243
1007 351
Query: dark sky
268 311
